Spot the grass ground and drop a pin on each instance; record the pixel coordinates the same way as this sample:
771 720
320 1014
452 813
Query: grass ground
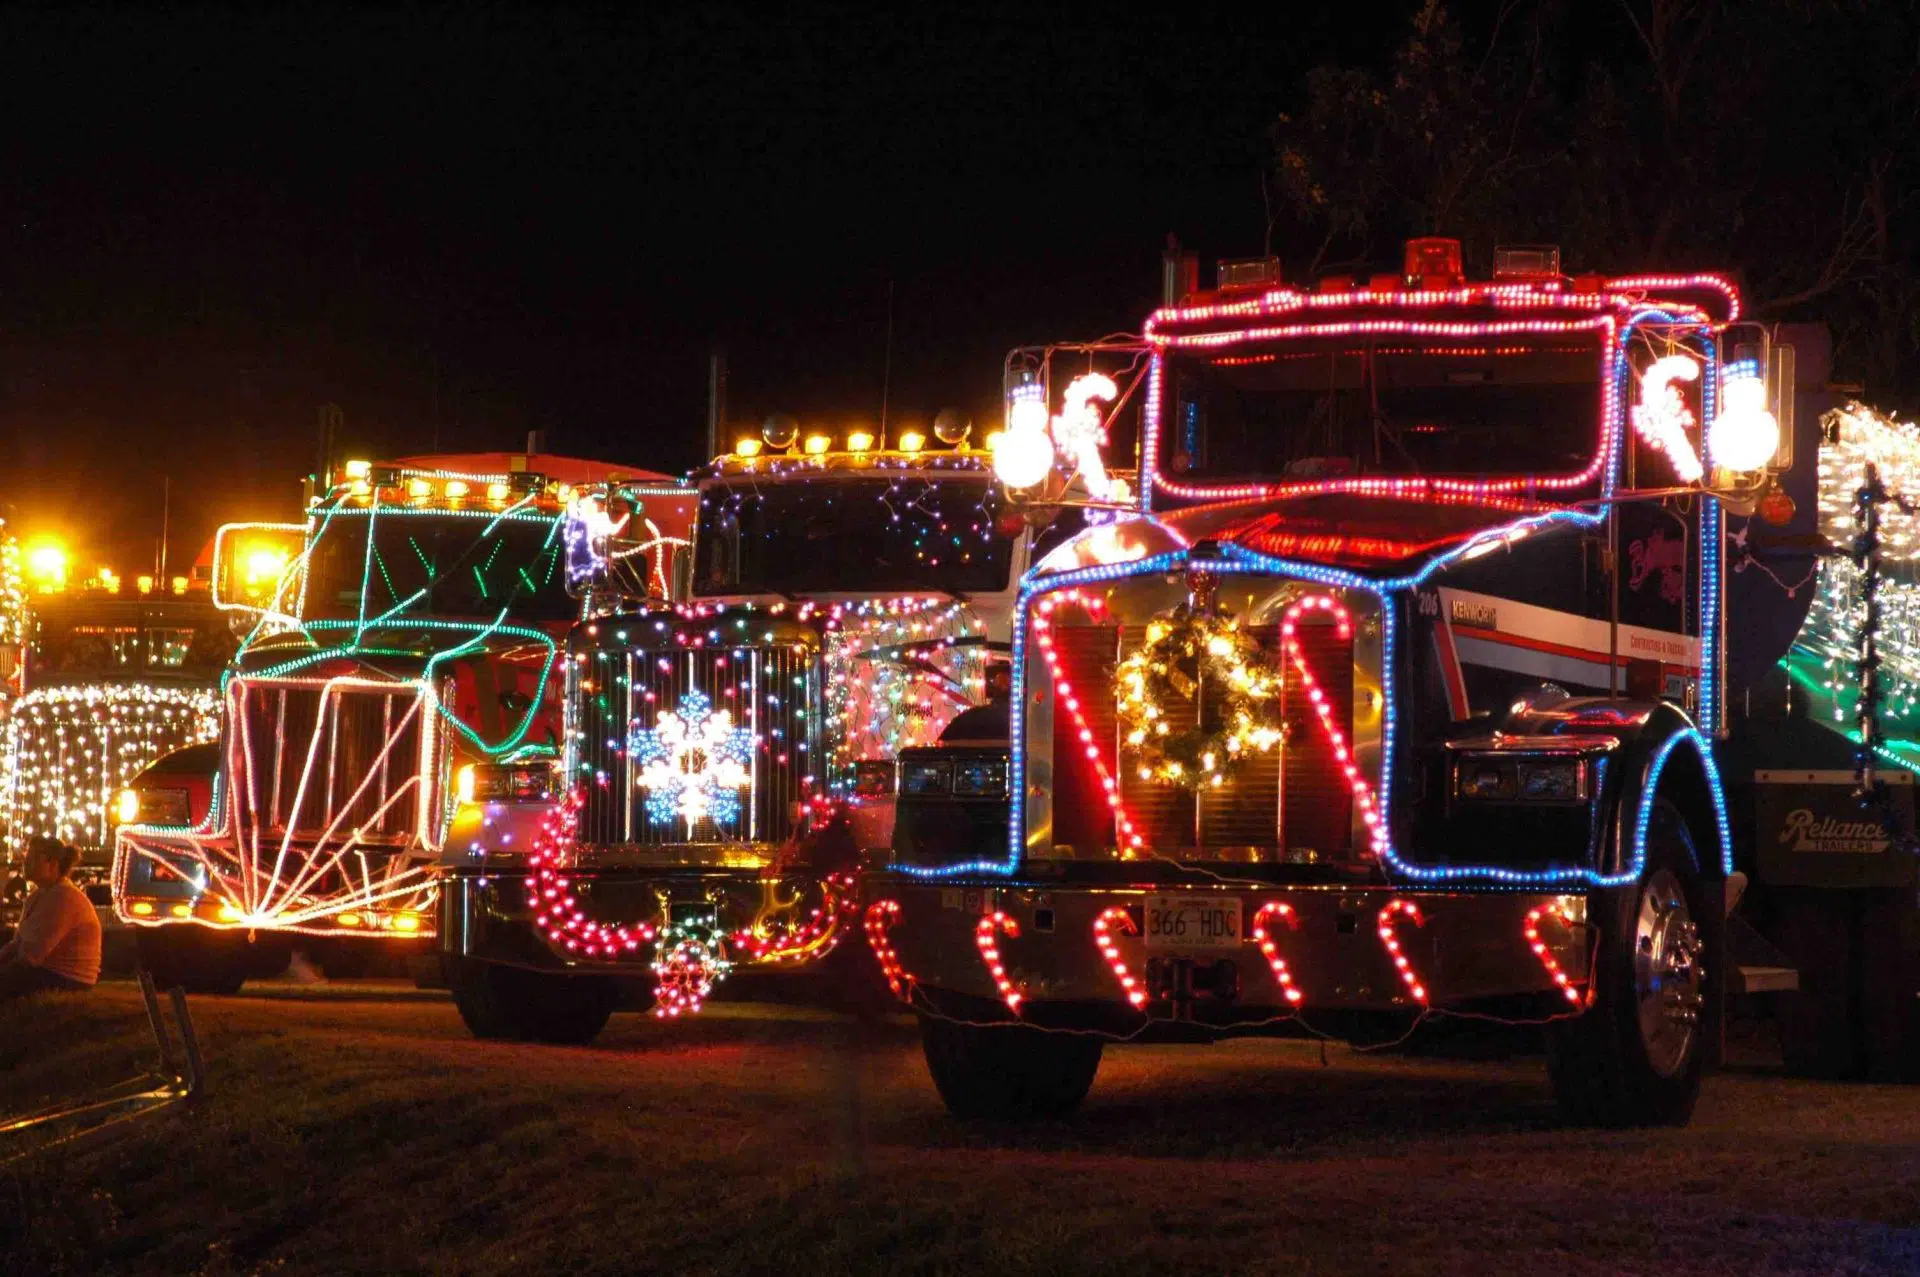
371 1134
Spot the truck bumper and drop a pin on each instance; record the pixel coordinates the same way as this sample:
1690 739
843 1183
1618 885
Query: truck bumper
761 919
1300 950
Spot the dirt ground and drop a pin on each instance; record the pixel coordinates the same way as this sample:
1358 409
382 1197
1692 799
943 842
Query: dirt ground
362 1130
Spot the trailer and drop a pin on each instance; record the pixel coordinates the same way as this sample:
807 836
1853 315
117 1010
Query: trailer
730 758
411 634
1397 695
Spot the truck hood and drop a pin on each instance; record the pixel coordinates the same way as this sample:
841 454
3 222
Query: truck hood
396 653
1385 535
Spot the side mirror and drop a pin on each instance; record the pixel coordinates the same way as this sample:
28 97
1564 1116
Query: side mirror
257 566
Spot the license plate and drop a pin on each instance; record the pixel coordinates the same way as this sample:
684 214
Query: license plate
1193 922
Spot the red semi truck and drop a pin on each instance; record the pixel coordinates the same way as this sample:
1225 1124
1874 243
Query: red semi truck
415 635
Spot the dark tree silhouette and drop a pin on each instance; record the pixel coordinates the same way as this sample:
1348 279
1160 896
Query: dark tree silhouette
1779 139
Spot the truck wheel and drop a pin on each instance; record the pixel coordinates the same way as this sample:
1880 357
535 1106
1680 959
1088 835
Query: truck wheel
1008 1072
192 958
518 1005
1635 1057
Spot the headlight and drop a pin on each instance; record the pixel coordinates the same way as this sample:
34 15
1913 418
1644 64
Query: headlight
926 777
1529 780
980 777
504 782
152 807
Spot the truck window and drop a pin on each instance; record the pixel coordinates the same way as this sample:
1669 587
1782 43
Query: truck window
867 534
1384 407
439 564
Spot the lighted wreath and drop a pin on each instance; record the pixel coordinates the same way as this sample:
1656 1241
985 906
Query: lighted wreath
1185 647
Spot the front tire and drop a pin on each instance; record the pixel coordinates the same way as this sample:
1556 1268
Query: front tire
995 1072
1635 1057
517 1005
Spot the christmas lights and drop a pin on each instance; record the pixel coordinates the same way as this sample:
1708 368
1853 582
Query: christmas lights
557 912
71 748
1130 838
1531 929
1384 926
694 763
984 938
297 845
688 961
1121 917
1189 645
1336 739
1662 417
882 915
1282 975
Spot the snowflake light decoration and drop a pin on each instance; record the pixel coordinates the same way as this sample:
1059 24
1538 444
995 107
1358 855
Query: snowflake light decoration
694 762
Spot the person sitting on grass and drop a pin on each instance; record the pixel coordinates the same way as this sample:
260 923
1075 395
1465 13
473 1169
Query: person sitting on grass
58 944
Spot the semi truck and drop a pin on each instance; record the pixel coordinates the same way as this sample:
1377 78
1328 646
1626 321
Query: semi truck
112 678
728 760
1402 695
416 631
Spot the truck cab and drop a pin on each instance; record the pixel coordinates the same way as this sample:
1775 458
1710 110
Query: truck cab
1395 700
416 629
730 759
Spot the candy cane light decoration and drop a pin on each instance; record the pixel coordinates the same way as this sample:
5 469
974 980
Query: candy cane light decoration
1284 912
1103 926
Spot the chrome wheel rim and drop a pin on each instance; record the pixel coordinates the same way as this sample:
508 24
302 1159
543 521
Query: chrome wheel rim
1666 973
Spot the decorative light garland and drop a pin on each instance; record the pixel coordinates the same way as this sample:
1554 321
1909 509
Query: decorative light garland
1121 917
1531 928
1384 926
882 916
1185 647
984 937
557 913
71 748
688 961
1336 739
1282 974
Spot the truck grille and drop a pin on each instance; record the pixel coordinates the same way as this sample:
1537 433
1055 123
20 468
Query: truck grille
773 692
1294 800
340 756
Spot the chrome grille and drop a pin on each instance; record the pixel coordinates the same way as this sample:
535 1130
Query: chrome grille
774 692
316 756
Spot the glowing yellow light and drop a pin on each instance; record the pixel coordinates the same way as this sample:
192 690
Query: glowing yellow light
47 565
407 922
361 488
229 914
349 919
498 492
857 441
747 446
817 444
418 488
127 806
457 489
141 909
181 911
912 441
358 469
463 783
179 585
109 580
992 440
263 565
144 583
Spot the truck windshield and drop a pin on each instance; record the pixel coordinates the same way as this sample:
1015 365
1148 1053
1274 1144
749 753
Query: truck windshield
845 533
85 639
439 564
1384 407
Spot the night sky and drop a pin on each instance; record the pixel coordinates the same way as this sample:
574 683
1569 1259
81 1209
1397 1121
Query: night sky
459 227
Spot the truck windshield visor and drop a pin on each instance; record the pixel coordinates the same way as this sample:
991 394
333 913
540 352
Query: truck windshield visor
439 565
1353 407
892 535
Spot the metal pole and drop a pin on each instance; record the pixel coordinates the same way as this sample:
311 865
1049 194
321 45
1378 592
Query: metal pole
716 401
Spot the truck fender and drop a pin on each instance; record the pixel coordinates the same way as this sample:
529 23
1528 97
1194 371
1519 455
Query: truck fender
1665 757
